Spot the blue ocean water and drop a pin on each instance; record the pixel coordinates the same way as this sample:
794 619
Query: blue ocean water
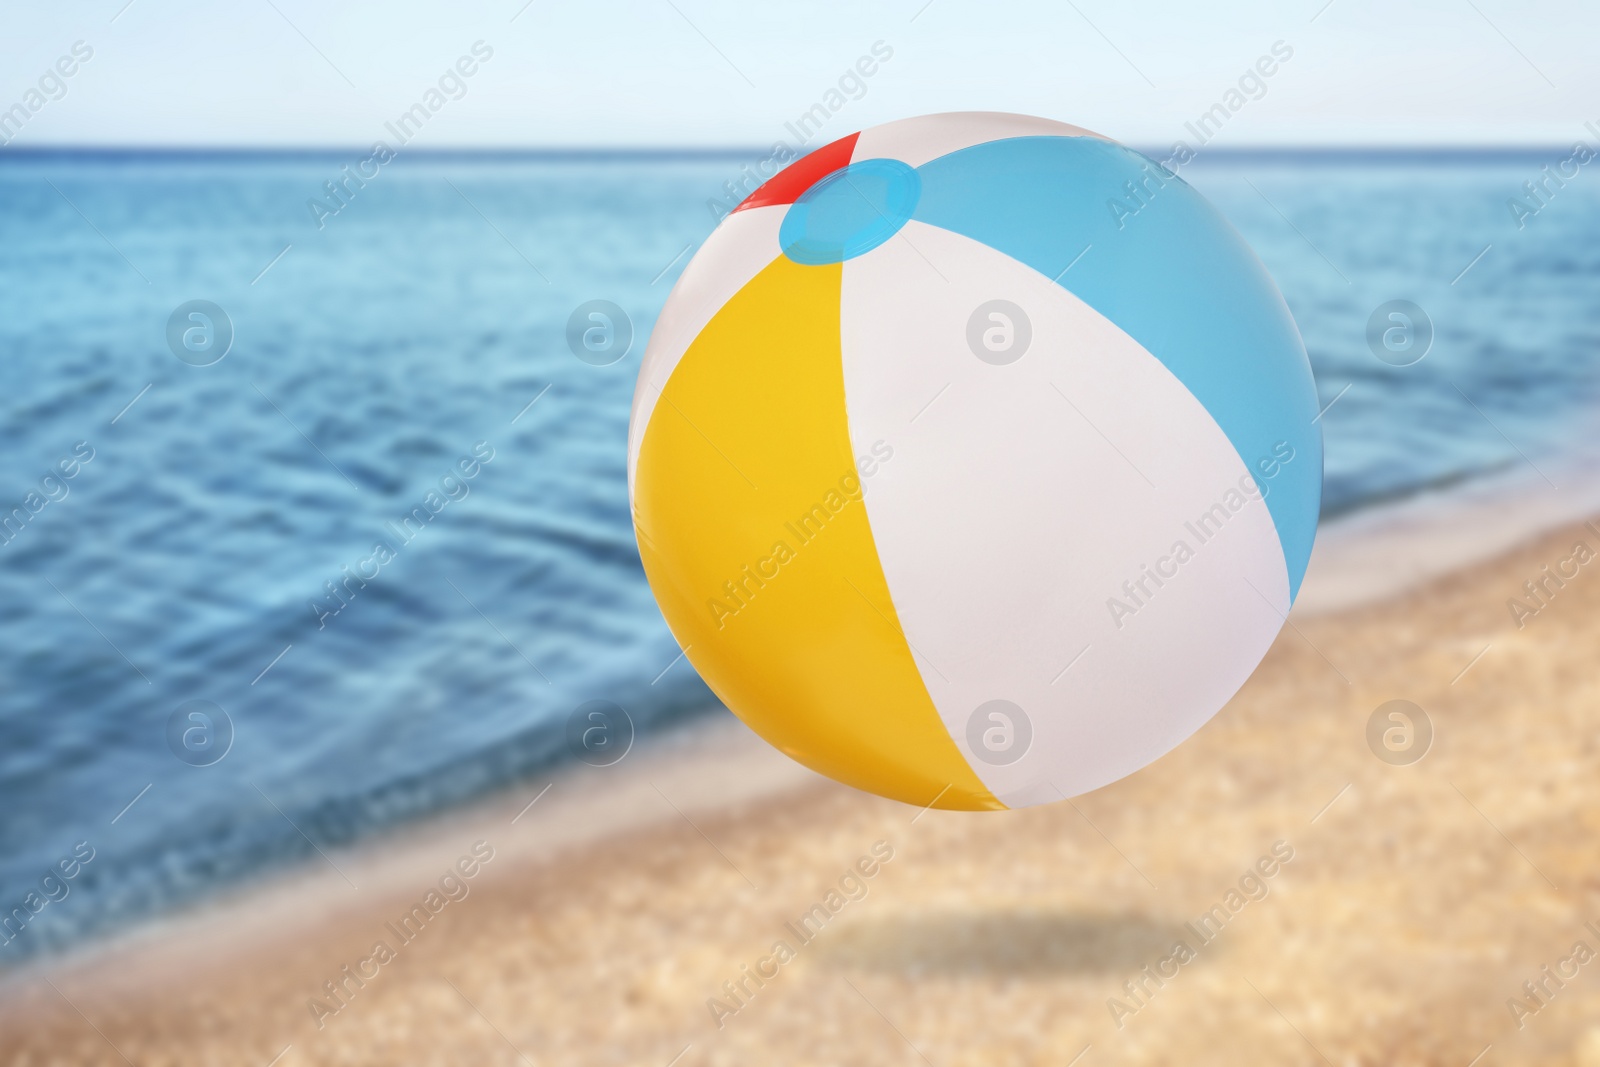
373 355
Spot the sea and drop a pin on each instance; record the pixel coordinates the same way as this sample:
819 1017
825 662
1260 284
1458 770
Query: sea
184 699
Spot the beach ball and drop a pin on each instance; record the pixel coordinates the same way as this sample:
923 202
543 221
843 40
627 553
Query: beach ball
974 461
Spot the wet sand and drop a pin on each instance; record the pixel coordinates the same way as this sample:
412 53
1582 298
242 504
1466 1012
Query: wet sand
1332 907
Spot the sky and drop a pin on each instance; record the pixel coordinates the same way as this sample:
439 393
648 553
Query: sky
720 73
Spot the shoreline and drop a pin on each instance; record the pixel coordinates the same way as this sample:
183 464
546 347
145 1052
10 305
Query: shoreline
1363 558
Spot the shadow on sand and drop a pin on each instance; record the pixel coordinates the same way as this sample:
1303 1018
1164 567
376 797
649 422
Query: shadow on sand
1007 942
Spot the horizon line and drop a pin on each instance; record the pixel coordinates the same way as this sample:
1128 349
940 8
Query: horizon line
1344 150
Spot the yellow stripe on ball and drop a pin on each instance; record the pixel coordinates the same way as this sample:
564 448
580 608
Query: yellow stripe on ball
756 541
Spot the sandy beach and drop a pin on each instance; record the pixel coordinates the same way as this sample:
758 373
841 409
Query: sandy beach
1270 892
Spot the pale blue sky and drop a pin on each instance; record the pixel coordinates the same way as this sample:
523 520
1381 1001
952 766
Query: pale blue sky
715 72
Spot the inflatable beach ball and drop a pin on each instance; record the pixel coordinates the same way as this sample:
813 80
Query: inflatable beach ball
974 462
